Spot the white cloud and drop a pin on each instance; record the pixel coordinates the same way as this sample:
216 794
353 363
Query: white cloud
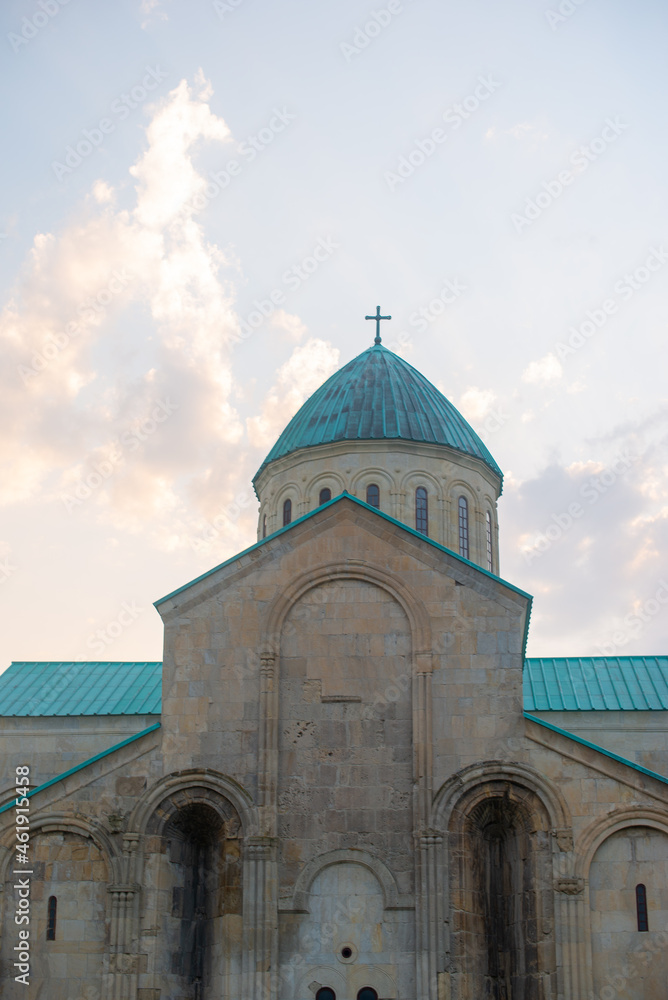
546 369
476 403
66 404
305 370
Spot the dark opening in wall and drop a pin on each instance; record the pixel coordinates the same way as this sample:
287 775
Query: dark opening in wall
504 899
51 918
641 907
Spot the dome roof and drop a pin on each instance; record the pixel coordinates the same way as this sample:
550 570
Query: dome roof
378 396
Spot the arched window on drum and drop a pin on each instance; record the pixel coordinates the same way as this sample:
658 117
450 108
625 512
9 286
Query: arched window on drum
490 550
463 515
421 511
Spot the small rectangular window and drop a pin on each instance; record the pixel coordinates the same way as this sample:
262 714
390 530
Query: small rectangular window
641 908
51 918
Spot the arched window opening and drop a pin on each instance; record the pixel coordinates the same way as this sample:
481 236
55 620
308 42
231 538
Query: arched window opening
641 907
264 526
421 511
463 509
490 558
287 512
367 993
373 495
325 994
325 495
51 918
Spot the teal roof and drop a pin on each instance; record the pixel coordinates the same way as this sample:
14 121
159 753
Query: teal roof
566 684
596 683
30 688
378 396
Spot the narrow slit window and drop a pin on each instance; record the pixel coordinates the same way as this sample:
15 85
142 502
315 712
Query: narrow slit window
264 526
51 918
325 495
287 512
463 508
421 511
490 558
373 495
641 907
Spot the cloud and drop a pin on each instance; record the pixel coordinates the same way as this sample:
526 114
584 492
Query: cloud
119 313
476 403
547 369
589 539
305 370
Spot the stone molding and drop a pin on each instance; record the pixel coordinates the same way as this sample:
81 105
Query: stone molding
413 607
189 781
569 886
471 782
564 839
618 819
64 823
393 899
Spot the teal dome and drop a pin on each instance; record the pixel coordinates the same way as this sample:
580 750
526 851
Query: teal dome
378 397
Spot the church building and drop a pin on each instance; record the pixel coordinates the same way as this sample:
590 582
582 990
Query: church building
345 780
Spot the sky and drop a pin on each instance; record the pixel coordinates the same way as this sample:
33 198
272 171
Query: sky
201 203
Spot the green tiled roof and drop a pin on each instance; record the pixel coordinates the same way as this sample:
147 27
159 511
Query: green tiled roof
30 688
568 684
374 397
596 683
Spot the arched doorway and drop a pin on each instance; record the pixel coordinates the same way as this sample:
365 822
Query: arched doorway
502 898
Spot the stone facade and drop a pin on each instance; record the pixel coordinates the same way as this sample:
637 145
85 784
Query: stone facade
344 799
344 793
446 475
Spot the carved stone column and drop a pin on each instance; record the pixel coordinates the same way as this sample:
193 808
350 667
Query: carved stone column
428 876
124 925
429 922
268 745
260 919
123 960
569 906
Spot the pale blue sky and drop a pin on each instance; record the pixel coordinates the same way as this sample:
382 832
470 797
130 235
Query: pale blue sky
553 420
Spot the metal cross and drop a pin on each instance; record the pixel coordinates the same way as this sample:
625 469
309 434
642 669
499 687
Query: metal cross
377 318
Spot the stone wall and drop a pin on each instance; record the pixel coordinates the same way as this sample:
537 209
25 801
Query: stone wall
397 468
629 963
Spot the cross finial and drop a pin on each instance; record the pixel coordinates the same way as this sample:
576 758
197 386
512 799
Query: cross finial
377 318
